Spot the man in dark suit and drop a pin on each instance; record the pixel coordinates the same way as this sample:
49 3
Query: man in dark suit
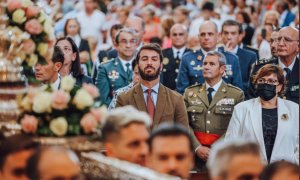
172 56
231 33
117 73
287 45
190 69
161 103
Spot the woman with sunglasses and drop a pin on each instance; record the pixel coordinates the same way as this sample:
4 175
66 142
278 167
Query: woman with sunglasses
270 121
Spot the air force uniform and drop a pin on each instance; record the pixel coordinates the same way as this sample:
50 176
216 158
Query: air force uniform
190 70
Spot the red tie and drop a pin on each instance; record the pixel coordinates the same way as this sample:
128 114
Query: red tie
150 104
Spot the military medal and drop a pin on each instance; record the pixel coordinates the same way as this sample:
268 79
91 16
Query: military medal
113 75
197 68
192 63
191 94
199 58
165 61
224 90
229 70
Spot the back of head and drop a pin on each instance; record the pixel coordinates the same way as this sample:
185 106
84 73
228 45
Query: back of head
223 152
122 117
278 167
14 144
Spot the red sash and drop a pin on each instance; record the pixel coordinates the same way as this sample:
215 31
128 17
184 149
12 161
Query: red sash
206 139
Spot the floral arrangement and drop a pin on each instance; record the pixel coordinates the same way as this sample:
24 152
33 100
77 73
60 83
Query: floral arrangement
28 20
68 111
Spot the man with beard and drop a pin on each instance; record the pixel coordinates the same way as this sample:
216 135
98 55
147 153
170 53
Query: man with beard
284 48
161 103
171 150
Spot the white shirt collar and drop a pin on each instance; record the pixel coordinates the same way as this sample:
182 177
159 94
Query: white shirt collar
290 66
215 87
181 51
205 52
55 85
235 50
124 62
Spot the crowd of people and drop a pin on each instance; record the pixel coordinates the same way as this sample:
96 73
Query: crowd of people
210 86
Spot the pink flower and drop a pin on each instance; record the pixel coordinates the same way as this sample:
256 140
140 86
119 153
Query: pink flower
91 89
60 100
33 26
32 11
88 123
99 113
28 46
29 124
13 4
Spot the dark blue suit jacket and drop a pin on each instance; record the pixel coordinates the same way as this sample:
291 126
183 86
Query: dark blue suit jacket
288 19
246 59
190 70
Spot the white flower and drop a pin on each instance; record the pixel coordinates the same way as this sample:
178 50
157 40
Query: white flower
42 102
19 16
32 60
48 28
59 126
83 99
42 17
42 49
67 83
26 104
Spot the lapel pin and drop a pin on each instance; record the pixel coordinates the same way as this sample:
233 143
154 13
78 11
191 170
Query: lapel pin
224 90
284 117
199 57
165 61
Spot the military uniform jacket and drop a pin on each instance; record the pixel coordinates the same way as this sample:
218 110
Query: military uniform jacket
110 77
292 89
170 68
169 105
214 117
190 70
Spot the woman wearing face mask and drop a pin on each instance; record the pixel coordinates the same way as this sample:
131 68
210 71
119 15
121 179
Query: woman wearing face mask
71 64
270 121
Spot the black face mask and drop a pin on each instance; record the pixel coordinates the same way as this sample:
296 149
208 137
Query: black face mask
266 91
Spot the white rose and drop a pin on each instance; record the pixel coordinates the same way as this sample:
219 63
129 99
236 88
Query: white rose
25 104
42 49
48 27
19 16
59 126
42 102
67 83
83 99
32 60
42 17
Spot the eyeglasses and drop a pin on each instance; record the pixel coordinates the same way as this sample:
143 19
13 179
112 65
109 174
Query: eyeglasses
179 34
267 81
285 39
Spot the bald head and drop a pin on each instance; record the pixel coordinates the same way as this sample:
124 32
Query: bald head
208 35
138 25
178 35
209 24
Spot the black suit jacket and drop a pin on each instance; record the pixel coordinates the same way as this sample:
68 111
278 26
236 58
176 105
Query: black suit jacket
84 46
170 68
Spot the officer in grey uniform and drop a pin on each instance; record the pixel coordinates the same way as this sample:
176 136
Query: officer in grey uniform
210 106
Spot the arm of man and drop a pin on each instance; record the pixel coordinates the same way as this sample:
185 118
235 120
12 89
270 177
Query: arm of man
121 100
181 113
237 75
102 83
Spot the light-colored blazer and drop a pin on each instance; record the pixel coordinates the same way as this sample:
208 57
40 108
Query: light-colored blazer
246 123
169 106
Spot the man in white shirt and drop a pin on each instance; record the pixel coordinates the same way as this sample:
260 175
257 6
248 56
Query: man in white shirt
48 73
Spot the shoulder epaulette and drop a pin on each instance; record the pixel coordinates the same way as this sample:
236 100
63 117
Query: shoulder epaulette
105 62
235 87
265 61
195 85
250 47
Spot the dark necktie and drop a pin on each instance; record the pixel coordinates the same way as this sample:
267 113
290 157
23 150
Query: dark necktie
177 57
209 95
128 70
288 73
150 104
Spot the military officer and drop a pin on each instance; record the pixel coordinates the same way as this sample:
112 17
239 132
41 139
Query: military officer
210 106
117 73
173 55
231 33
284 49
190 69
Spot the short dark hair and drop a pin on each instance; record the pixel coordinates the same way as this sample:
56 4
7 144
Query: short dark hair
169 130
75 68
151 46
270 170
58 55
126 30
246 17
233 23
115 27
208 6
32 164
13 144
